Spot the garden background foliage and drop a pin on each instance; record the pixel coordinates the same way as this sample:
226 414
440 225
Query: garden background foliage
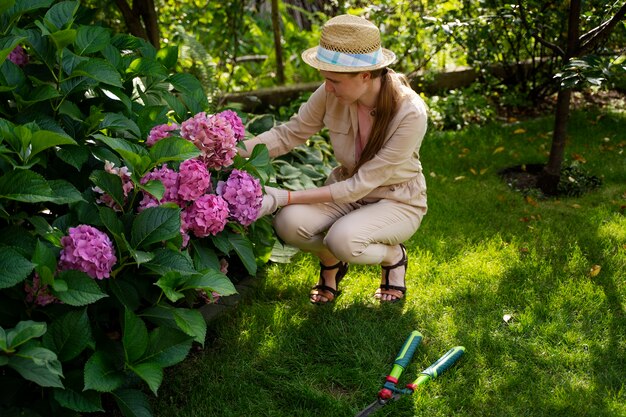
108 246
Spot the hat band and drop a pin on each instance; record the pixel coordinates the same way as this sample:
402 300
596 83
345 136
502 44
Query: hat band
348 60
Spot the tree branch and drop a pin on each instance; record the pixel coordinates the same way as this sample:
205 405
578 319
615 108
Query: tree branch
131 19
556 48
590 39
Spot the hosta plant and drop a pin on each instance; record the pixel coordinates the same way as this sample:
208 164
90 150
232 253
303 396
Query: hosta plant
122 203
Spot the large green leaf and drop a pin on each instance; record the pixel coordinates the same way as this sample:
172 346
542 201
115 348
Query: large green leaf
134 336
24 331
120 123
189 321
212 280
169 283
82 289
61 15
25 186
99 70
155 224
64 192
101 373
38 365
173 149
111 184
83 402
44 139
90 39
244 249
166 260
132 403
151 373
147 67
168 56
15 268
69 334
167 346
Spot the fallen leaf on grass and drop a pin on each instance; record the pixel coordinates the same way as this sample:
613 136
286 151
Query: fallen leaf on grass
579 158
595 270
498 150
576 206
518 131
507 318
473 171
531 201
459 178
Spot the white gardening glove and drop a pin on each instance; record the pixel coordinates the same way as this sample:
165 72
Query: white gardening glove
272 200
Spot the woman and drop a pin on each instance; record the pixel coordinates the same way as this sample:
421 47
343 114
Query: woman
376 198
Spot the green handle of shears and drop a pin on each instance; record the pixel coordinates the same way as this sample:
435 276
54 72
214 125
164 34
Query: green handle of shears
406 353
438 367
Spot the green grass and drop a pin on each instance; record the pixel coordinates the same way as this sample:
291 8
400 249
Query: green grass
483 251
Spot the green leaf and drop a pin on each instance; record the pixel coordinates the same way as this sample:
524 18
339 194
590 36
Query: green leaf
38 365
44 139
25 186
41 93
244 249
173 149
24 331
14 266
166 260
168 56
134 337
69 334
154 188
99 70
169 283
44 258
132 403
82 289
147 67
64 192
83 402
75 156
90 39
63 38
212 280
167 346
151 373
111 184
189 321
61 14
155 224
119 123
131 152
101 374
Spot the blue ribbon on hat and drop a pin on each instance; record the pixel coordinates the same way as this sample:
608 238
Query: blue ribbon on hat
348 60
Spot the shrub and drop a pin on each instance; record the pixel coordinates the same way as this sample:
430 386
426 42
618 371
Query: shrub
112 229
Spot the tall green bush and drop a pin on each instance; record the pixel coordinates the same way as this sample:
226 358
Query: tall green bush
101 273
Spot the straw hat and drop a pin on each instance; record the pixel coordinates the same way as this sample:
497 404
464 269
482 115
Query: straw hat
348 44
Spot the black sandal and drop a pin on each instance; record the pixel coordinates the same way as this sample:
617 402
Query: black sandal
393 290
324 290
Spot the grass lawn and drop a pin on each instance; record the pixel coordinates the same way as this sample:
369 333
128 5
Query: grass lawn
484 251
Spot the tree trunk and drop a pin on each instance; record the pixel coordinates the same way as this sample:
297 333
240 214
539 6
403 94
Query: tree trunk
141 21
548 182
280 71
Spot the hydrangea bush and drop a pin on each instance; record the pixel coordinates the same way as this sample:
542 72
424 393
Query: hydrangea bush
122 204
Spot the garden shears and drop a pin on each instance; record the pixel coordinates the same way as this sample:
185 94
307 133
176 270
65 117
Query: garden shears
390 391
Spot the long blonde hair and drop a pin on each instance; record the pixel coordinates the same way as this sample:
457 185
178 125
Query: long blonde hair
386 105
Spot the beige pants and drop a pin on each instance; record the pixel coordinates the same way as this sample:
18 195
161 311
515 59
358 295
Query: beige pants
354 233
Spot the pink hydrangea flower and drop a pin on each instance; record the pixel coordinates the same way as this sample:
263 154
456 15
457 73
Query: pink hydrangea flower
207 215
169 179
243 194
235 122
89 250
214 136
18 56
39 294
127 186
160 132
194 179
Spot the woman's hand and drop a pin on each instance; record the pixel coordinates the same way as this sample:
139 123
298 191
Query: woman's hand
273 199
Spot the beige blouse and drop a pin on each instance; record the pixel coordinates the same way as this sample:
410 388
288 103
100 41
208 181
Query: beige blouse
395 172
